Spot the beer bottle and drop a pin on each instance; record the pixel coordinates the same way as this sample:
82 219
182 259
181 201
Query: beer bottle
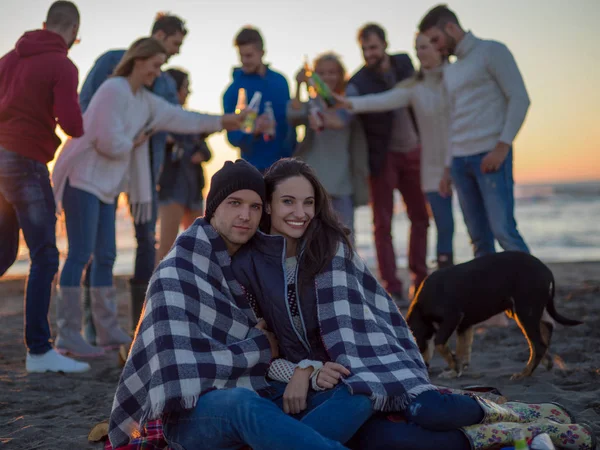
270 132
314 108
241 101
248 123
318 84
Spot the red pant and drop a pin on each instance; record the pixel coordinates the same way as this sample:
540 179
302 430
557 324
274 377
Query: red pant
401 171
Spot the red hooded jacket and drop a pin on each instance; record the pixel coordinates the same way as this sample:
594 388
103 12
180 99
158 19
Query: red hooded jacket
38 89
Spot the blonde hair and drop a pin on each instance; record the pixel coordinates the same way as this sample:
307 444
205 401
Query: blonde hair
334 58
141 49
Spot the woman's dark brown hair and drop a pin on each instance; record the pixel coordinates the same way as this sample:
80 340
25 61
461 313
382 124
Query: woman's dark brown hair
324 233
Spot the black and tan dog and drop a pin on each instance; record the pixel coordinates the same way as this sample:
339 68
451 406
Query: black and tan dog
459 297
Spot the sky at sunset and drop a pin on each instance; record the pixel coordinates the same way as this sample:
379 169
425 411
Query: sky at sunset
555 44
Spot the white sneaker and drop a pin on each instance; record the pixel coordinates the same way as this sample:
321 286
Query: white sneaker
52 361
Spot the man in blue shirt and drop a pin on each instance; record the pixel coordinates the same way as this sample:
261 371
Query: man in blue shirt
170 31
255 76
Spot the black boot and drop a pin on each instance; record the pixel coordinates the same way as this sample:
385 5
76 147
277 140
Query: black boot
445 260
138 297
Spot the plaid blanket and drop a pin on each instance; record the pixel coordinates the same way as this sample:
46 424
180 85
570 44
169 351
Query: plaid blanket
363 330
197 334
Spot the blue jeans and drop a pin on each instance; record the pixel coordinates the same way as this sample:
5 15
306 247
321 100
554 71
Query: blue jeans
228 419
145 253
90 231
335 413
487 202
441 207
27 203
432 421
345 209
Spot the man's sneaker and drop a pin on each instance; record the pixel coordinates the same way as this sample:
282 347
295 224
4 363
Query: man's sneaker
51 361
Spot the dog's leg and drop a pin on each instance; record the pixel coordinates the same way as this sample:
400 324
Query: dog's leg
447 327
464 342
530 326
546 329
428 355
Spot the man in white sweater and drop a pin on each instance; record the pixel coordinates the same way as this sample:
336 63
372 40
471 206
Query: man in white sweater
488 103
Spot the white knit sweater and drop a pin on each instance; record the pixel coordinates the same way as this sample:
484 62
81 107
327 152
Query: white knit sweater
487 95
103 161
428 100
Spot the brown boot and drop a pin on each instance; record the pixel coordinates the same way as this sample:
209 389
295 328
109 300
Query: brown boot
104 310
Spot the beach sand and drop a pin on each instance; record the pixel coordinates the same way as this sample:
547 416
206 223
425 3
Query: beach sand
54 411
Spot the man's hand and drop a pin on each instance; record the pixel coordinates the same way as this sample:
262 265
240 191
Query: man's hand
330 375
446 184
142 137
494 159
262 325
294 397
232 122
262 124
197 158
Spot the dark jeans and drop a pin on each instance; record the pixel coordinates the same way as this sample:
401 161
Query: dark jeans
488 203
27 203
401 171
432 421
441 207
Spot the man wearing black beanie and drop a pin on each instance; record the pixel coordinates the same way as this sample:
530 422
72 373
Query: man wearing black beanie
234 203
198 349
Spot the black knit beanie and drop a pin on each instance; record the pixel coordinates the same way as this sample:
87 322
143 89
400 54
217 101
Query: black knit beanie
231 178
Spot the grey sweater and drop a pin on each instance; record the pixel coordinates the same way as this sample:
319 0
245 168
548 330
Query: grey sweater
428 100
487 95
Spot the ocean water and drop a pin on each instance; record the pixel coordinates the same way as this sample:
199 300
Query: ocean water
560 223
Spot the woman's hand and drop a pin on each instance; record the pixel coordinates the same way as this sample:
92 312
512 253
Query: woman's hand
330 375
142 137
294 397
232 122
342 102
301 77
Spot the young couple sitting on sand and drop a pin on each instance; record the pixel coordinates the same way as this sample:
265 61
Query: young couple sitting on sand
282 339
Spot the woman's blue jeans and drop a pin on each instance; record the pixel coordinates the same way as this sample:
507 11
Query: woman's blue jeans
90 231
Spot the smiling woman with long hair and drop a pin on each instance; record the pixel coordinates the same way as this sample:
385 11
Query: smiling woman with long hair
346 351
90 173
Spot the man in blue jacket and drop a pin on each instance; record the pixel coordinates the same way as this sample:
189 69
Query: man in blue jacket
170 31
256 76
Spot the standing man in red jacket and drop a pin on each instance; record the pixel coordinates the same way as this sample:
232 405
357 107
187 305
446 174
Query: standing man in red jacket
38 90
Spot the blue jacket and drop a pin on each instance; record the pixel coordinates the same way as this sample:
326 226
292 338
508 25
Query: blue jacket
164 87
274 88
259 267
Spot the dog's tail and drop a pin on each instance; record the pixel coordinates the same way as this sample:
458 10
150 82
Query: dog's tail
551 308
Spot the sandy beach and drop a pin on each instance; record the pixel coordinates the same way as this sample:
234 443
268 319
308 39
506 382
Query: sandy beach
54 411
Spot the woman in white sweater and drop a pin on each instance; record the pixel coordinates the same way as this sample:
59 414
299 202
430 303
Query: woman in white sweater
426 95
90 173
